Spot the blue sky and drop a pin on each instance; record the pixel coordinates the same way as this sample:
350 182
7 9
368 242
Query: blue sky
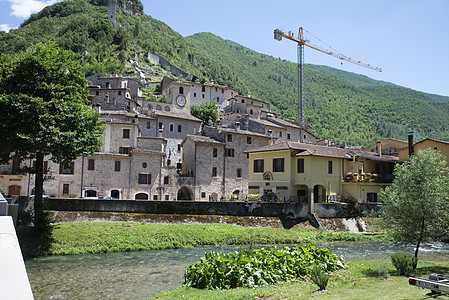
407 39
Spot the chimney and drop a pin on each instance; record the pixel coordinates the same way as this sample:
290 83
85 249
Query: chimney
136 119
411 150
379 148
160 132
249 94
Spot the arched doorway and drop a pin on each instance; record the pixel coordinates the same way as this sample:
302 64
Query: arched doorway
214 197
141 196
115 194
319 194
90 193
185 193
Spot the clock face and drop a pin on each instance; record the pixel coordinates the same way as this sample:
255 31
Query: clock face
181 100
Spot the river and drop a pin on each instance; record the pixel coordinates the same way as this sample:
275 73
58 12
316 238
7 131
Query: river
141 275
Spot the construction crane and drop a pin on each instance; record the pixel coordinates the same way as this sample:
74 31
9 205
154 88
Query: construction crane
301 41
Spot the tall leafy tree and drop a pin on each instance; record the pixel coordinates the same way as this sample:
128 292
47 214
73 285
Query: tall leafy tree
44 110
416 206
207 112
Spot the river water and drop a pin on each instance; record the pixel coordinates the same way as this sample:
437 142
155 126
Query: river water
141 275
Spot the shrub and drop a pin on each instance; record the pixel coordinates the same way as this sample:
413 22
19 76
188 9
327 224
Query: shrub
257 267
319 277
403 263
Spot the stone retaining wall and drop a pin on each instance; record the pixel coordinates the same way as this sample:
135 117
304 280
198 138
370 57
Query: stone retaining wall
256 209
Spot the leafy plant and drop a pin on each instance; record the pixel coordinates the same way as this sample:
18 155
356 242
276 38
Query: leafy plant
319 277
257 267
403 263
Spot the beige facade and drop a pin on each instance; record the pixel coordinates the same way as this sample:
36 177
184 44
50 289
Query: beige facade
301 172
437 145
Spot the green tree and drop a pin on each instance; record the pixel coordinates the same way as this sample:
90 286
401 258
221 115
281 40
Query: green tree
205 112
415 207
44 105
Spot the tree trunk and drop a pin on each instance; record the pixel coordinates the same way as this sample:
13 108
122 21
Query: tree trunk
38 189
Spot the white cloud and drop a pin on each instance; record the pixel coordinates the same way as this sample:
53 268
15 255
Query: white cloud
24 8
5 27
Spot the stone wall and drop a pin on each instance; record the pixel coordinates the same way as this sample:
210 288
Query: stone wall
256 209
160 60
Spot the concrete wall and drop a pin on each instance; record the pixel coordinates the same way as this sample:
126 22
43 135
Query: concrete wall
257 209
14 282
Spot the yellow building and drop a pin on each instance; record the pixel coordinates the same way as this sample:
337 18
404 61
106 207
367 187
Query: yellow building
438 145
313 173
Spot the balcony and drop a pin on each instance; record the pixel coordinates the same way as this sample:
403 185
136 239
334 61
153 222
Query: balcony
368 178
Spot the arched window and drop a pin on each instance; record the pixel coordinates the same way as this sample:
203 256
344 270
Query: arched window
167 108
158 107
181 90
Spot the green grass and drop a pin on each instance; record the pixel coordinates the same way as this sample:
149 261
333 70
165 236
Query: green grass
376 279
98 237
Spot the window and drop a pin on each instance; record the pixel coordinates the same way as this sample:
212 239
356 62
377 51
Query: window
203 96
239 173
117 166
66 169
250 111
126 133
372 197
166 179
144 178
194 95
167 197
115 194
119 93
172 127
248 140
222 91
229 138
65 188
300 168
158 107
214 172
91 164
124 150
181 90
214 152
155 197
97 93
144 165
107 85
229 152
280 133
278 164
161 125
215 88
141 196
179 128
258 166
435 148
329 167
203 89
243 100
167 108
203 194
288 136
148 125
218 99
179 147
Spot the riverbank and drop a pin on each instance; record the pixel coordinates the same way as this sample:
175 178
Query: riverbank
101 237
376 279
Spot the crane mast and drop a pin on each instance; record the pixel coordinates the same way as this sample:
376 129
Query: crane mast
301 41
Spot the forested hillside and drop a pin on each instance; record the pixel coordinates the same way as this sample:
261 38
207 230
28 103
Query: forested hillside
341 105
